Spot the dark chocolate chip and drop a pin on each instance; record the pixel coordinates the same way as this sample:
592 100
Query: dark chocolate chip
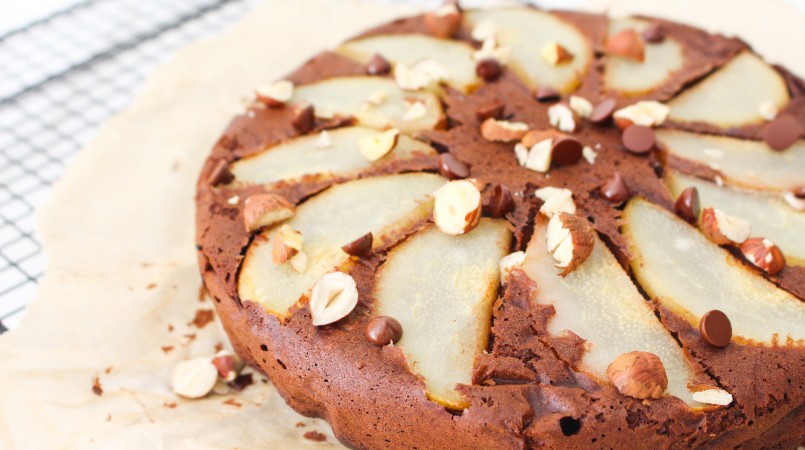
360 247
220 174
304 118
782 132
489 69
493 109
716 328
615 189
383 330
687 205
638 139
451 168
500 202
547 94
378 65
602 112
566 151
654 33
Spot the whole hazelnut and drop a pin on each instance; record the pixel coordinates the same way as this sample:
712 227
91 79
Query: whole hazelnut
763 254
638 374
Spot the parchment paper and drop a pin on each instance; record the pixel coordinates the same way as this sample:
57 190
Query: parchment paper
122 288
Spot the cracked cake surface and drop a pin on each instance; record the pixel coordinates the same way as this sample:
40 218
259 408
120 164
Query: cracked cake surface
514 228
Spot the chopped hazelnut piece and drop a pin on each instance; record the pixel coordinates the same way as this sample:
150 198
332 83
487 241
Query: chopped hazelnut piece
275 94
457 207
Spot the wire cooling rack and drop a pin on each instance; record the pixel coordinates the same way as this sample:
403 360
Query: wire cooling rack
60 78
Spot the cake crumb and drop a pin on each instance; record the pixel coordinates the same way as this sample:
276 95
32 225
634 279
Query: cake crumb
300 425
96 386
167 348
315 436
233 402
203 317
242 381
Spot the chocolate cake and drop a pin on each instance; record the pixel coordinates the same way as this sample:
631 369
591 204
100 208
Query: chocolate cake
514 228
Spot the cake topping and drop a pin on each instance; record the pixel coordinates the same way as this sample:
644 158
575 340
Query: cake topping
276 94
414 111
377 146
795 201
687 205
360 247
324 140
581 106
546 93
638 139
444 22
491 50
510 262
654 33
502 130
570 240
589 154
638 374
383 330
227 365
561 117
782 132
566 151
555 54
555 200
615 189
712 396
715 328
377 98
484 30
763 254
194 378
304 118
457 207
492 109
262 210
724 229
287 243
333 297
489 69
626 44
220 174
409 79
602 112
767 110
534 137
537 158
646 113
451 168
378 65
500 201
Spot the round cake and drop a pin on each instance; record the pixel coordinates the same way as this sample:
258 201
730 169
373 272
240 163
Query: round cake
514 228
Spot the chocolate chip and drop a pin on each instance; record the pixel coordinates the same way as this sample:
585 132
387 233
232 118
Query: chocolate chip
220 174
615 189
500 202
687 205
304 118
383 330
547 94
493 109
451 168
782 132
654 33
489 69
602 112
638 139
566 151
715 328
360 247
378 65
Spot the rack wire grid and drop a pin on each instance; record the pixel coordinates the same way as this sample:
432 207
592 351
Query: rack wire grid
60 78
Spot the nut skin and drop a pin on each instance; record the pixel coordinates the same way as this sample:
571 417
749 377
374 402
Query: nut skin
378 65
654 33
220 174
626 44
443 26
714 230
261 210
583 236
360 247
501 131
287 243
763 254
493 110
640 375
687 205
534 137
383 330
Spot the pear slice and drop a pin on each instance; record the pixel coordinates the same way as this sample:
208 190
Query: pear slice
384 206
375 102
441 289
599 303
526 31
742 162
456 56
632 77
690 275
732 96
306 155
768 213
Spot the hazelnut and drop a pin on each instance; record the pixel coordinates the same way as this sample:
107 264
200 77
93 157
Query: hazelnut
647 113
795 200
262 210
457 207
570 241
378 145
360 247
414 111
333 297
194 378
581 106
275 94
483 30
502 131
444 22
638 374
509 262
562 117
710 395
627 44
724 229
763 254
555 200
490 50
227 364
287 243
555 54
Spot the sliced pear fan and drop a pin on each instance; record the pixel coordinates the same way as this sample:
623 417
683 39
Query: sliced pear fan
768 213
409 48
306 155
634 77
743 162
732 96
383 205
352 96
690 275
441 289
599 303
526 32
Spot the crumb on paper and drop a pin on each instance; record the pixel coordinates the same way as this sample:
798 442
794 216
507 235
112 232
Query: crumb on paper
108 370
315 436
96 386
241 382
170 405
233 402
218 347
167 348
300 424
151 286
202 318
202 293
